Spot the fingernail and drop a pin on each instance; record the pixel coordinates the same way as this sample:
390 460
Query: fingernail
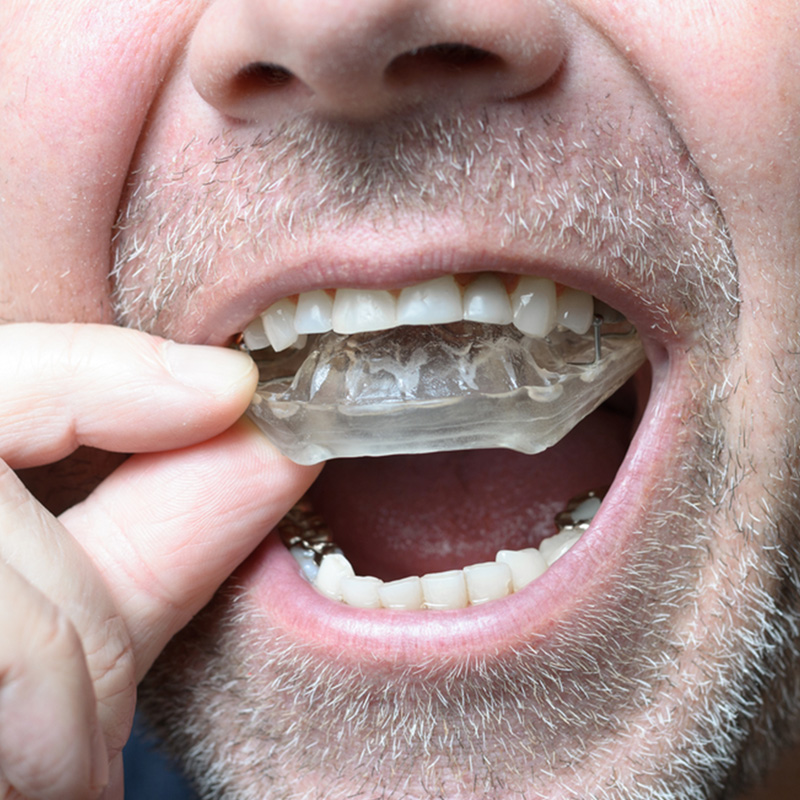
210 369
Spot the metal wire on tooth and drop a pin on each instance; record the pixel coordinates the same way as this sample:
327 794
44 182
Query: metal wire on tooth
597 323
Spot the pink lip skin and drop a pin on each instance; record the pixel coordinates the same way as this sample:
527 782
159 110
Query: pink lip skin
581 576
239 298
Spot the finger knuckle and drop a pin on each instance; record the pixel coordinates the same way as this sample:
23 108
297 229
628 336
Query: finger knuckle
110 654
52 636
112 666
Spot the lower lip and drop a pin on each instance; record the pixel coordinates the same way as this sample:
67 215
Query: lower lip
294 607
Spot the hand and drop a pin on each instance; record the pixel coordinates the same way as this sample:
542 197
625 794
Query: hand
89 599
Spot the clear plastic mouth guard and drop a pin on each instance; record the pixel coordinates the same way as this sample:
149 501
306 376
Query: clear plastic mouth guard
422 389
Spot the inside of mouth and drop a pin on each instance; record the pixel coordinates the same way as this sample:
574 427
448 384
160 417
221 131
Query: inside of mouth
410 515
487 446
405 518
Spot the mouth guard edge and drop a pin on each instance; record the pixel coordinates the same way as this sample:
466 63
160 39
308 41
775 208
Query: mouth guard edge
434 389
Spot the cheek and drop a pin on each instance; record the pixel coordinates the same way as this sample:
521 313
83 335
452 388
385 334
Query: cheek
730 82
721 73
78 82
728 76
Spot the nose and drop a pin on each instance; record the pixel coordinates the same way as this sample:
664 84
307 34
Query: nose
361 59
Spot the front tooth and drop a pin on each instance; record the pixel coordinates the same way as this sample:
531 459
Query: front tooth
314 312
575 310
434 302
332 570
359 310
279 324
533 303
487 581
361 591
556 546
445 590
486 300
405 594
525 565
254 336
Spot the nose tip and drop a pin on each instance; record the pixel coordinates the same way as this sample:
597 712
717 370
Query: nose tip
259 59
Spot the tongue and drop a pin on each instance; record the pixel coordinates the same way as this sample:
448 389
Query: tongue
408 515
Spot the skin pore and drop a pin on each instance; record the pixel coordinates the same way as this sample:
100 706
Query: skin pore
653 162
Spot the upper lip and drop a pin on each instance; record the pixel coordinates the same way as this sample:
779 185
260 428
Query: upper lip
576 239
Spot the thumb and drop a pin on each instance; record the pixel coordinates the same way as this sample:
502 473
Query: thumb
114 389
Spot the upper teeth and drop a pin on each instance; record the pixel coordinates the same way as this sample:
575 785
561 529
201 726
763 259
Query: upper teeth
534 306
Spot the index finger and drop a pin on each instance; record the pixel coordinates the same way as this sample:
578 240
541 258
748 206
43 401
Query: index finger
166 529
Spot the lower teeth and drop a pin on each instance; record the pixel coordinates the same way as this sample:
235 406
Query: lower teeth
421 389
324 565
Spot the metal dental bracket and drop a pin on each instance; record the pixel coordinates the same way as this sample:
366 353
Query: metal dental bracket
580 510
303 528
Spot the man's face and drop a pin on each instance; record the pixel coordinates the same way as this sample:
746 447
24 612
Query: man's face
642 152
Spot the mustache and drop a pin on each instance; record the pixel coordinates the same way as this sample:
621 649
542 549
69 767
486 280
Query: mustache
635 201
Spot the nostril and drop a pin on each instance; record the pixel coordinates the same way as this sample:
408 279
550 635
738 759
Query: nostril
253 60
441 60
260 75
452 54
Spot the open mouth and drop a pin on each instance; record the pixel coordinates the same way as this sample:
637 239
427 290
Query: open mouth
421 388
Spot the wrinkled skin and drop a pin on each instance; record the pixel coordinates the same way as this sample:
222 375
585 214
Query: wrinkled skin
113 117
